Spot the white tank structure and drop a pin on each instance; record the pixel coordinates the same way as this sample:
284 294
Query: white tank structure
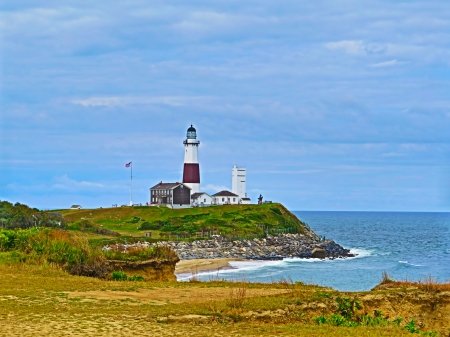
191 171
238 181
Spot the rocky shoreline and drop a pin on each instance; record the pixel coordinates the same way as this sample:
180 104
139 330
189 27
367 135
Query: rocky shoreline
269 248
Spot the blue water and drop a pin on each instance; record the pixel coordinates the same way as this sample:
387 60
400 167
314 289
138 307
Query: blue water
408 246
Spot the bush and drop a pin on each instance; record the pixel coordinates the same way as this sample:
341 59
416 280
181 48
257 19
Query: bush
121 276
118 276
155 225
22 216
135 219
141 254
275 210
69 250
83 224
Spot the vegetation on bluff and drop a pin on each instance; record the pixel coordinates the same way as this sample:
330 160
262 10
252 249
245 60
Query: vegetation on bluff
69 250
21 216
232 221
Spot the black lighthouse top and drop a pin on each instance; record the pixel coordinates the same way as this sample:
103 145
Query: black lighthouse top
191 133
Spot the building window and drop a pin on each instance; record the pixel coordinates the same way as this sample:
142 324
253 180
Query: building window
204 200
234 199
223 199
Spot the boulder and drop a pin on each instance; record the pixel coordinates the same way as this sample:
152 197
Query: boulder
319 253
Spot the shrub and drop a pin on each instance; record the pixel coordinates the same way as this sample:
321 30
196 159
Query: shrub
275 210
411 326
118 276
83 224
141 254
136 278
150 225
121 276
69 250
347 306
135 219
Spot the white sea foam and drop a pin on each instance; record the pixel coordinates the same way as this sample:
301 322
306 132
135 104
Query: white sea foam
241 267
252 264
361 252
410 264
238 266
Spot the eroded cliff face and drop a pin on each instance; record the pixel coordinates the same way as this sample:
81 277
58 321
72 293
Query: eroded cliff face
150 270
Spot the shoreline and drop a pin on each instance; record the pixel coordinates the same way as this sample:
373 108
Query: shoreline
202 266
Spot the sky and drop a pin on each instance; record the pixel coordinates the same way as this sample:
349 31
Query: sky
329 105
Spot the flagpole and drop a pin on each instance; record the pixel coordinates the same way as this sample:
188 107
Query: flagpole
131 184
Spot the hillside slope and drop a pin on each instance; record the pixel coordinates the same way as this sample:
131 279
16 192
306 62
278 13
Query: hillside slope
232 221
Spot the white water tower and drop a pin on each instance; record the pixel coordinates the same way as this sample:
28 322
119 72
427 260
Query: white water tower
191 171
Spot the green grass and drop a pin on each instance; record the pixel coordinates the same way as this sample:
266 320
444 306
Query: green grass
231 220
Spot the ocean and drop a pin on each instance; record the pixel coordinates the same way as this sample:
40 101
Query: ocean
407 245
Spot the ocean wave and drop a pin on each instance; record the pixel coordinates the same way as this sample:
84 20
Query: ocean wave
410 264
361 252
238 267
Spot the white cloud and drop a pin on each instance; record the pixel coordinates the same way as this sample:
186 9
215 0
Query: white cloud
387 64
65 183
353 47
349 47
113 101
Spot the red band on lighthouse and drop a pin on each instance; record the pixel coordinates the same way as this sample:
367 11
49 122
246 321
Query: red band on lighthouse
191 173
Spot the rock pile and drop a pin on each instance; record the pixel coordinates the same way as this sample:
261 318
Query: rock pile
269 248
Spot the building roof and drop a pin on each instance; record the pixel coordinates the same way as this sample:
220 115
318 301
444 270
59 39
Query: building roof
225 194
75 206
198 194
245 198
167 186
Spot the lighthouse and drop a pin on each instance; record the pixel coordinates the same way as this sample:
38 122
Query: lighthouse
191 171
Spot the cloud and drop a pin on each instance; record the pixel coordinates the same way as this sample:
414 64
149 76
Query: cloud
65 183
114 101
349 47
386 64
353 47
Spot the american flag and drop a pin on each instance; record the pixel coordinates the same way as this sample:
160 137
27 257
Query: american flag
128 165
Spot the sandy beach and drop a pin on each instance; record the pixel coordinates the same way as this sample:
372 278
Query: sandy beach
203 265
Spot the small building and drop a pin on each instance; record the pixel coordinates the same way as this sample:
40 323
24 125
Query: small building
225 198
245 201
173 195
76 207
201 199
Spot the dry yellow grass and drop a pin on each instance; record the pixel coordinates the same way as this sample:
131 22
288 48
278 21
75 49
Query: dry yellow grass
427 284
45 301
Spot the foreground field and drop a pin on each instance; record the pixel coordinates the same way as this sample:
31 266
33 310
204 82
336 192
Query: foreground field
41 300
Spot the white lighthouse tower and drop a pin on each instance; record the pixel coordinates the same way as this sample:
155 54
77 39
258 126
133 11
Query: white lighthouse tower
191 172
238 181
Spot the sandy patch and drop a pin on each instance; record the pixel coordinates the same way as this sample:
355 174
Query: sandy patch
162 296
203 265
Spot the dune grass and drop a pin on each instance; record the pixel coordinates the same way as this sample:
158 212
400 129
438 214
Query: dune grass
428 283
